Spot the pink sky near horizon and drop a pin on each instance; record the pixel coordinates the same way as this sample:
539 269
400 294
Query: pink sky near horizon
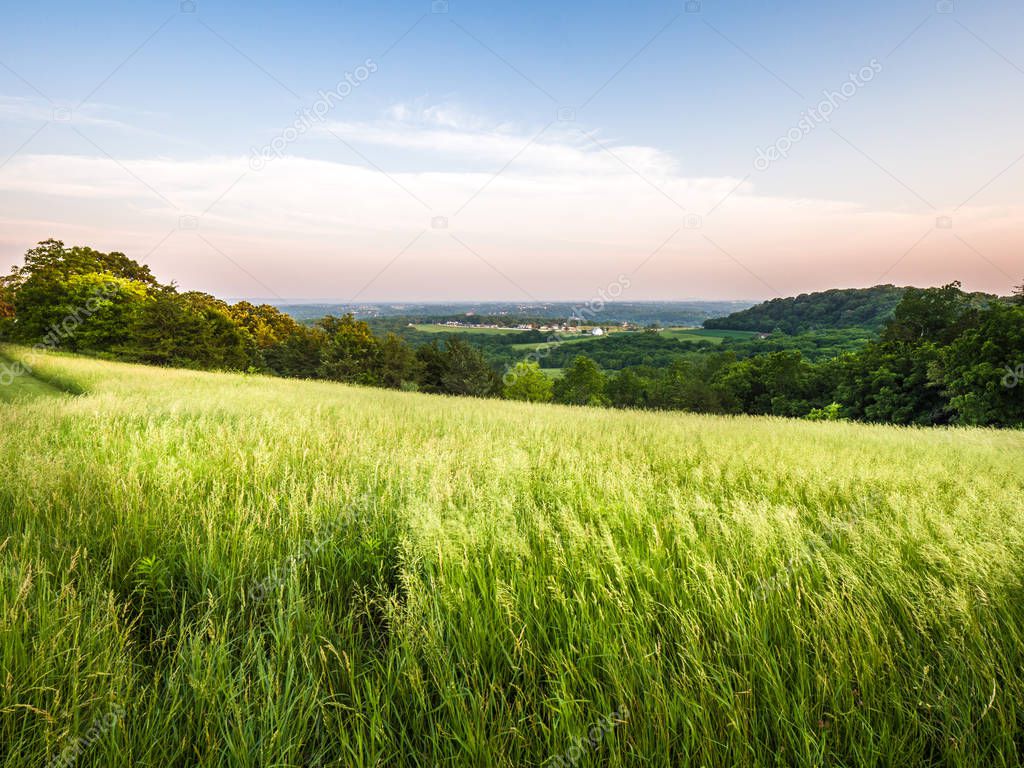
304 229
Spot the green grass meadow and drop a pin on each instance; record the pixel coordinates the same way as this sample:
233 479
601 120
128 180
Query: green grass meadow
705 334
559 340
228 570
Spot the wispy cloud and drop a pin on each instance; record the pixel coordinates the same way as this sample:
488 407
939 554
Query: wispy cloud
15 109
444 132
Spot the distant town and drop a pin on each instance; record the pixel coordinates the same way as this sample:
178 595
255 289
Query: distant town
566 327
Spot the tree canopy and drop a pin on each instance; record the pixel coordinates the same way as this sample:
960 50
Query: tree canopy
836 308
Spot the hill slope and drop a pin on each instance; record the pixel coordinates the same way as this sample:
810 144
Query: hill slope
836 308
233 570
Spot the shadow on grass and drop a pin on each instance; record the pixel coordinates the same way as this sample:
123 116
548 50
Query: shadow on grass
18 382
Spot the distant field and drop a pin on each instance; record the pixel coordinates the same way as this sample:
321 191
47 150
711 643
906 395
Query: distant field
701 334
553 373
566 339
252 571
429 328
682 334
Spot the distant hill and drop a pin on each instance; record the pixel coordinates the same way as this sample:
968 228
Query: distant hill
836 308
666 313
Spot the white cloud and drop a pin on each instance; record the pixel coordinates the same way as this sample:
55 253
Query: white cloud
446 133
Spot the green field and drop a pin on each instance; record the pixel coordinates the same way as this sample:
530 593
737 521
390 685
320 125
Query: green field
249 571
702 334
682 334
562 339
434 328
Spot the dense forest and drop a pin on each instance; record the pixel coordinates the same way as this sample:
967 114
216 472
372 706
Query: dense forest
836 308
941 356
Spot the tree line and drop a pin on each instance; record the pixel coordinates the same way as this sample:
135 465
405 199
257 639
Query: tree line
943 357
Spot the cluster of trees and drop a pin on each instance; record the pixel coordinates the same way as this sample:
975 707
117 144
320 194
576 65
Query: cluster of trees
817 344
943 356
651 348
779 383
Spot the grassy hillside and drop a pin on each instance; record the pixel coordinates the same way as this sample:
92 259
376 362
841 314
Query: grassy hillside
222 570
20 388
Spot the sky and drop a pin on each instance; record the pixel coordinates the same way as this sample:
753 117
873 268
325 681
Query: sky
401 151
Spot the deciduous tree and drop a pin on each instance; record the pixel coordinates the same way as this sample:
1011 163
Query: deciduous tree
526 381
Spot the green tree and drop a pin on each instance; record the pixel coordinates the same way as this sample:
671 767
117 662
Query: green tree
350 352
628 389
526 381
928 315
101 307
297 355
831 412
892 380
165 331
51 260
466 371
267 325
284 346
191 330
982 371
687 384
55 287
7 311
224 343
398 367
892 385
432 364
779 383
582 383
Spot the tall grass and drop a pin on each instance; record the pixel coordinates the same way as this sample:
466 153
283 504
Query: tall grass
275 573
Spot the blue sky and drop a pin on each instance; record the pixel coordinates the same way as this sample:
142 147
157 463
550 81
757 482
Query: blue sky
670 106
